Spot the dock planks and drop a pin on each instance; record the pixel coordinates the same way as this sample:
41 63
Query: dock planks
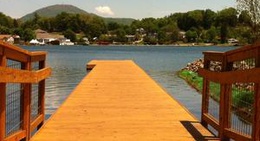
118 101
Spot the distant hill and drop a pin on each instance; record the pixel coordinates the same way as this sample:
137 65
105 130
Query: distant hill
125 21
52 11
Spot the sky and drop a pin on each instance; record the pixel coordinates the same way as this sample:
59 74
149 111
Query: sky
136 9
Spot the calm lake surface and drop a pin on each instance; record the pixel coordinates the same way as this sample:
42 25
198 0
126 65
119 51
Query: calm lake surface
68 65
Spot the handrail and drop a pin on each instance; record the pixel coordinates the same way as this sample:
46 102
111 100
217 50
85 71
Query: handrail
239 74
9 75
23 75
242 76
19 54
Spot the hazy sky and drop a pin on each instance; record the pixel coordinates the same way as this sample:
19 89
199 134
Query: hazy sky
137 9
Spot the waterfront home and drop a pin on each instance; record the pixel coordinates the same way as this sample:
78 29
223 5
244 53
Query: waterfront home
233 41
65 41
46 38
11 39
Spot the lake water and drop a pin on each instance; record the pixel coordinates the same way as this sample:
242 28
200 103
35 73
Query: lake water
68 65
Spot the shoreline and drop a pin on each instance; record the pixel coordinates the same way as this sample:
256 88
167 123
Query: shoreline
133 45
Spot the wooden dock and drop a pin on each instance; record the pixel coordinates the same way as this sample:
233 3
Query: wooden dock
118 101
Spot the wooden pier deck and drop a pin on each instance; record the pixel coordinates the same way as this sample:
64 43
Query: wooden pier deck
118 101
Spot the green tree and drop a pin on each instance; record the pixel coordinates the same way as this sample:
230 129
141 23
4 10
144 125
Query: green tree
190 19
45 24
245 19
223 33
150 25
4 30
191 35
69 34
175 35
15 23
227 17
211 34
120 35
208 18
252 7
112 26
18 31
5 21
150 40
28 34
162 37
75 23
61 22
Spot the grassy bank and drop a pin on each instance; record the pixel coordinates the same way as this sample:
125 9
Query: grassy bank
242 99
193 79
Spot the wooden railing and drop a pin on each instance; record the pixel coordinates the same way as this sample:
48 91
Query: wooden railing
22 89
232 94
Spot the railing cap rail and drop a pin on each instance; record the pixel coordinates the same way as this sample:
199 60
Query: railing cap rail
242 76
20 50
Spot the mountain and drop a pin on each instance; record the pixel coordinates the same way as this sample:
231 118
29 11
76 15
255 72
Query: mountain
124 21
52 11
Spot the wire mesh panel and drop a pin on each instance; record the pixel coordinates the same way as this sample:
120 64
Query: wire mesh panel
13 108
214 96
215 66
35 66
242 100
13 102
242 108
244 64
14 64
35 95
35 101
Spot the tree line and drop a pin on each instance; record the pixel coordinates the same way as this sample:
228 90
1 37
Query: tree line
197 26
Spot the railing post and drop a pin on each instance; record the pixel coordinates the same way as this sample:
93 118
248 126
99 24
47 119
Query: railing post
2 102
41 100
205 96
256 118
26 104
225 102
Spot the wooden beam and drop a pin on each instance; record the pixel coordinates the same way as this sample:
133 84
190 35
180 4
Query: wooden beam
230 77
2 110
23 76
213 56
38 56
16 55
26 104
89 67
256 118
37 121
1 50
41 100
242 55
237 136
13 47
19 135
2 102
211 121
205 96
21 55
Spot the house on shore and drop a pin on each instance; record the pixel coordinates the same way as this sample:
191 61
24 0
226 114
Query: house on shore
11 39
47 38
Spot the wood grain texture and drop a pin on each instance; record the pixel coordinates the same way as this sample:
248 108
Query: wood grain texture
118 101
9 75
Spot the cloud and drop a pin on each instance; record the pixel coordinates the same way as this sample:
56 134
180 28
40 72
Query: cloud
104 10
